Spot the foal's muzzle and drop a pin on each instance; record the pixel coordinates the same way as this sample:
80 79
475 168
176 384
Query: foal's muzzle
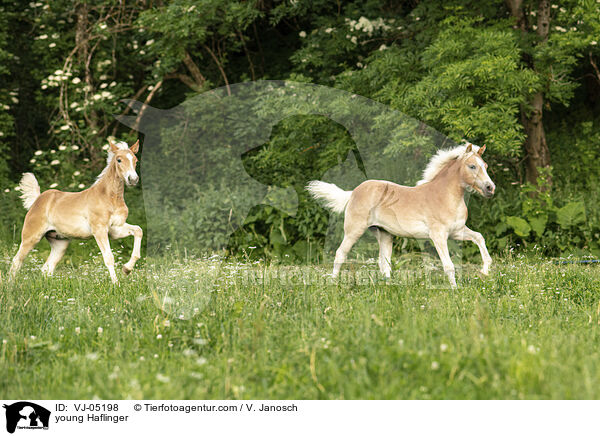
132 180
489 189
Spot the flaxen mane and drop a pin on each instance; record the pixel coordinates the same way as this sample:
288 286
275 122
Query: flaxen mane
441 159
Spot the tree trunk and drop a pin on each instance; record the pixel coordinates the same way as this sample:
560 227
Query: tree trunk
538 155
83 48
536 148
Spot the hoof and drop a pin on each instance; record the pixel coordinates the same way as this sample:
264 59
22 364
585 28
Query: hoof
126 270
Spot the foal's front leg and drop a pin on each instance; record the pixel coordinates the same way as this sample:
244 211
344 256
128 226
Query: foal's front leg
440 241
466 234
129 230
101 236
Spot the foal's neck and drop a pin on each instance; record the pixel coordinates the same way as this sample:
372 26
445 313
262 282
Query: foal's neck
449 179
112 185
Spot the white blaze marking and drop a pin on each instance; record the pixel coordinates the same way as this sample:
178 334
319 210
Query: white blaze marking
482 165
131 172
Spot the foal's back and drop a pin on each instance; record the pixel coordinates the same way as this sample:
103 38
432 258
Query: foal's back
67 213
401 210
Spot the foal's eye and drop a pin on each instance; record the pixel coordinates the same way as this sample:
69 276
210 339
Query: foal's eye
472 167
119 160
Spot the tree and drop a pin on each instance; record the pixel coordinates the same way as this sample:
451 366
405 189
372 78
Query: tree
480 71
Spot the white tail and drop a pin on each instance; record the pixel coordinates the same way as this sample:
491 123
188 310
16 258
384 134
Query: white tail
30 189
335 198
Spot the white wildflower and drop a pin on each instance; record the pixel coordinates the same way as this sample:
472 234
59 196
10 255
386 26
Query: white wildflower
54 185
162 378
302 34
55 162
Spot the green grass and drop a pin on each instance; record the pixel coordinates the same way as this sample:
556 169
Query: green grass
531 330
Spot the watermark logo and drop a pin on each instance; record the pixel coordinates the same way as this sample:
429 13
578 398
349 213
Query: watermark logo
24 415
216 165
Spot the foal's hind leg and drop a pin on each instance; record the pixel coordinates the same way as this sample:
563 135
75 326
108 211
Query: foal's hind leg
29 239
354 227
385 251
57 251
129 230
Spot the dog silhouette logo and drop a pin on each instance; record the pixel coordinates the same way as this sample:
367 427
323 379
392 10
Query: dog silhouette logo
26 415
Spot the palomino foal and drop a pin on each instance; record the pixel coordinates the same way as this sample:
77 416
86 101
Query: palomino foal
433 209
99 211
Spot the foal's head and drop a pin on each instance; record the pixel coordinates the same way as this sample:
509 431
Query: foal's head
124 160
474 172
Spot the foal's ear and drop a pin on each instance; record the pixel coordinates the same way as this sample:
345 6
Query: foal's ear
481 150
135 147
113 147
469 148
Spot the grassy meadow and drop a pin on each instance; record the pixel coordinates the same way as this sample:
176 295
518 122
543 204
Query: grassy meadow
214 329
